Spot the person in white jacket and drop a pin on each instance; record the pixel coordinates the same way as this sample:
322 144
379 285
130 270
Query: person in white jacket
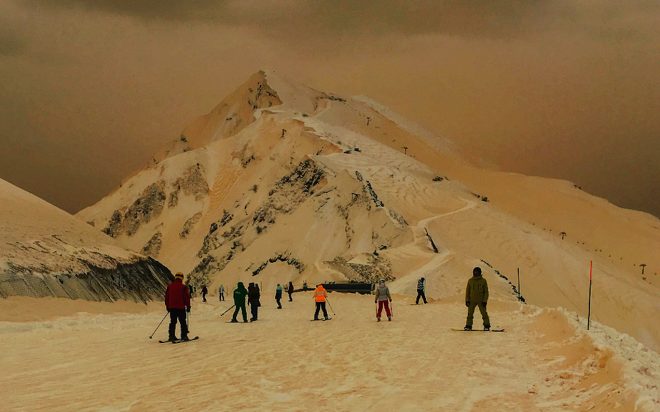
383 299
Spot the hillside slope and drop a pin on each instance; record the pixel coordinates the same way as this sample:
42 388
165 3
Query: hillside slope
44 251
317 187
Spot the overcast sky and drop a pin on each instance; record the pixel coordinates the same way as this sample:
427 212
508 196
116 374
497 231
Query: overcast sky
89 90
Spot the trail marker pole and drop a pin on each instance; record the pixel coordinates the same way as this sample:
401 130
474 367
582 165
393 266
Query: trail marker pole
519 293
589 310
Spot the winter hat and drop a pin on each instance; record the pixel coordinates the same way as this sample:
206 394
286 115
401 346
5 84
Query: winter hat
179 275
381 282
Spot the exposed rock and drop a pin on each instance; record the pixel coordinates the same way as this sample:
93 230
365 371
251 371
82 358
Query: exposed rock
281 257
149 205
193 183
140 281
173 199
189 224
114 224
226 218
152 247
376 268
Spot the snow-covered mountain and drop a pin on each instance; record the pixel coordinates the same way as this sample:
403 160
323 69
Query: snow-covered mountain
282 182
45 251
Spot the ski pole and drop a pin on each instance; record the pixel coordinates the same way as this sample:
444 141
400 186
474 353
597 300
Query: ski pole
161 322
232 306
330 306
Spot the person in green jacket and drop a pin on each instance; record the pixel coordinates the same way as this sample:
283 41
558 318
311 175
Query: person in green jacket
240 294
476 294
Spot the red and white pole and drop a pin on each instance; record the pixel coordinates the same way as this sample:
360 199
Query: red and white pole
589 310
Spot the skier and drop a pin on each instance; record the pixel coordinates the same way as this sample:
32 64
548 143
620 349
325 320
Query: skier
221 293
253 301
278 296
290 291
177 302
191 291
476 294
239 301
320 296
420 290
204 292
383 298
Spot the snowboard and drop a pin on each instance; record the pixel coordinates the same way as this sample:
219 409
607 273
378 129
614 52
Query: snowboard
179 340
478 330
319 320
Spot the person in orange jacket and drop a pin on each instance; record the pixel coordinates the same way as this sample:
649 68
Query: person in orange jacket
320 296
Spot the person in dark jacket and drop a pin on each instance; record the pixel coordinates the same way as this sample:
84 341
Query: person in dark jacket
239 301
191 291
290 291
204 292
253 301
177 302
278 295
421 285
476 295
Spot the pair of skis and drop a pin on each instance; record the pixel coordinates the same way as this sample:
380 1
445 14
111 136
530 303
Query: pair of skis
179 340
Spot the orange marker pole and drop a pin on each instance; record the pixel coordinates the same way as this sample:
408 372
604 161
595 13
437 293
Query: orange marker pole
589 311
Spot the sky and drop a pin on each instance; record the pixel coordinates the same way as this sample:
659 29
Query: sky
90 90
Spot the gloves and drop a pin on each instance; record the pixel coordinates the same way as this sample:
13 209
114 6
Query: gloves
188 309
467 303
390 300
375 300
168 310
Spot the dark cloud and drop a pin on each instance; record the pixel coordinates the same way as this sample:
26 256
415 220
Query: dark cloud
143 9
470 18
557 88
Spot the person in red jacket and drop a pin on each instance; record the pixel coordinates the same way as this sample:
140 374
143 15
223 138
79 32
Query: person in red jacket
177 302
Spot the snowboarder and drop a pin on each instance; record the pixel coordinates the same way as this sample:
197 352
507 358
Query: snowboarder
177 302
476 294
383 298
253 301
421 285
320 296
239 301
221 293
290 291
204 292
278 296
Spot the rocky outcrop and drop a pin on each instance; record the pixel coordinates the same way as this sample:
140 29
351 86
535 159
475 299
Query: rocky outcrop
149 205
192 183
374 269
189 224
140 281
152 247
281 257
